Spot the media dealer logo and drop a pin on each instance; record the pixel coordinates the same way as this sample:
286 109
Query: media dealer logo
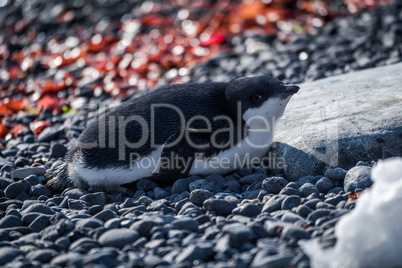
178 162
322 124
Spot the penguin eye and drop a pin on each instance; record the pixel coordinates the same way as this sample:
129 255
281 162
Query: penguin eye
257 97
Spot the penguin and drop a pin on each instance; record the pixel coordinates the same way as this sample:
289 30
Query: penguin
177 131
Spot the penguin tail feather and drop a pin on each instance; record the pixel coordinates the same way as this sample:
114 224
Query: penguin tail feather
61 180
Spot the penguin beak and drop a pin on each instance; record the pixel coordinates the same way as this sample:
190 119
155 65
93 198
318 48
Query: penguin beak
291 90
288 91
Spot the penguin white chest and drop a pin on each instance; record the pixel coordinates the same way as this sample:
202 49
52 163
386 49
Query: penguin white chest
261 123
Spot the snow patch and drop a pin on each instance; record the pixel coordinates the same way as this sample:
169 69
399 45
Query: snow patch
371 234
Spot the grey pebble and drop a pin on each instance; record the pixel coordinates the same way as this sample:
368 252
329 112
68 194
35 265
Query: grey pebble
16 188
113 223
335 200
182 185
145 200
336 174
290 191
357 177
40 223
14 212
83 245
57 150
77 204
75 193
274 184
95 209
28 218
42 255
250 179
118 237
312 203
303 210
62 242
33 180
10 221
65 259
40 208
7 254
308 189
295 232
105 215
103 258
89 223
198 196
336 190
160 193
185 224
324 185
238 233
290 202
195 252
315 215
197 184
291 217
38 190
265 259
220 206
248 210
274 203
22 173
4 182
98 198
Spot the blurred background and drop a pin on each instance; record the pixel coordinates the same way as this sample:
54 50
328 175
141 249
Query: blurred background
54 51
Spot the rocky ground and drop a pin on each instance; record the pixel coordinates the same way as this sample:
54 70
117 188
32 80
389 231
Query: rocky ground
251 218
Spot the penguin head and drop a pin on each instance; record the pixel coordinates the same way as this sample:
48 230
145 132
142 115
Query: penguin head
261 96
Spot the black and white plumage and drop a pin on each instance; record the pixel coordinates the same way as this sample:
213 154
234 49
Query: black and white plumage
207 121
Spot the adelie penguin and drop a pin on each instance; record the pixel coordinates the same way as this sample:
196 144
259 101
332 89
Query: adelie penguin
177 131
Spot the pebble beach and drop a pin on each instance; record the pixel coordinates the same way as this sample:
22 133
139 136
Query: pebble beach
248 218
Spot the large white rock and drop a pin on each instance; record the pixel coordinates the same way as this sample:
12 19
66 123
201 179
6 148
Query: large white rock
341 120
